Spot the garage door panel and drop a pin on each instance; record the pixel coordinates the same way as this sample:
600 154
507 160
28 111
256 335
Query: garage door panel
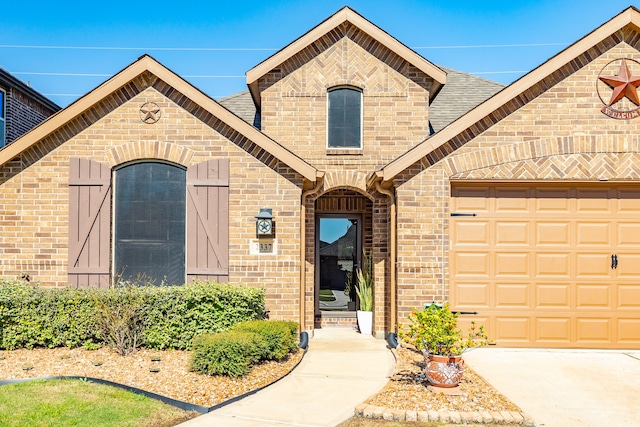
553 295
590 200
590 296
593 233
553 200
513 329
470 199
628 267
629 332
512 200
540 261
509 233
628 234
471 233
552 234
552 264
628 200
629 297
472 264
512 295
471 296
512 264
593 265
590 330
553 329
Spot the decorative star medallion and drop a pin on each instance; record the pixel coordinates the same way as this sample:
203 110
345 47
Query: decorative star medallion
623 85
150 113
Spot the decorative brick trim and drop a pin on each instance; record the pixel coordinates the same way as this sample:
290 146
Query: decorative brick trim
353 179
149 150
454 417
571 157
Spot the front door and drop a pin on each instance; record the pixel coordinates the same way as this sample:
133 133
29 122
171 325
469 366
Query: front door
338 249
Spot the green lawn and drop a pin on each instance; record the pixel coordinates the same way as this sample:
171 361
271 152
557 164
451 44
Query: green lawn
62 403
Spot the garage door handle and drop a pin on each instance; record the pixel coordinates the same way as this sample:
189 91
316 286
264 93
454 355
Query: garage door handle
614 261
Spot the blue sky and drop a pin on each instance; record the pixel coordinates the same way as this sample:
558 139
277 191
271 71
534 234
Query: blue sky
169 31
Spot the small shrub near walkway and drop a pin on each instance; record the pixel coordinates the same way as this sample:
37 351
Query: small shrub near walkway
234 352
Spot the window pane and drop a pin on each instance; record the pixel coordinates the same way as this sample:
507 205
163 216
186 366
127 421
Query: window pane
150 222
344 118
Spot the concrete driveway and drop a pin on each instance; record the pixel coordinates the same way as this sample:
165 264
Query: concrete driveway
561 388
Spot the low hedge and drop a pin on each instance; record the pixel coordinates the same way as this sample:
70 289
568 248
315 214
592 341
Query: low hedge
167 317
234 352
280 336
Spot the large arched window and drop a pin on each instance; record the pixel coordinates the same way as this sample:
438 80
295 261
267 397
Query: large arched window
344 127
149 222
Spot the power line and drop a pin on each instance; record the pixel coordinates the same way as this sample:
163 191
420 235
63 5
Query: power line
33 73
15 46
485 46
244 49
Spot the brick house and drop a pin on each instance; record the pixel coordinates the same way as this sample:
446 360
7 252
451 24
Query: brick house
21 108
519 202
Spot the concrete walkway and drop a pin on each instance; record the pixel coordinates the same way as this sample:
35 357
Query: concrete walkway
341 369
559 388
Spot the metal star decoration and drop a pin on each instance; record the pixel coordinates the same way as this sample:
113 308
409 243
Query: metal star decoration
623 85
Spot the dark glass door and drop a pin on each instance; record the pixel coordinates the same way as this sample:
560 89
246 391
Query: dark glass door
338 249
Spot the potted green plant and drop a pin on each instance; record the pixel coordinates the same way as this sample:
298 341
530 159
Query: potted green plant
364 290
435 332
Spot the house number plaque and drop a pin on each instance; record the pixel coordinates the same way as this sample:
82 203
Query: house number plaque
263 247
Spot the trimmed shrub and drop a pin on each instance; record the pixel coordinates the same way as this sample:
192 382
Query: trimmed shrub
230 353
278 335
158 317
174 315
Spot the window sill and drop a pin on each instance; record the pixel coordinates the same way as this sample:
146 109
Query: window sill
344 152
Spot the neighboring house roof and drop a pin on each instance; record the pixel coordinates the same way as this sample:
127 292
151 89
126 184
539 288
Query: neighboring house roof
461 93
513 93
344 15
147 64
6 79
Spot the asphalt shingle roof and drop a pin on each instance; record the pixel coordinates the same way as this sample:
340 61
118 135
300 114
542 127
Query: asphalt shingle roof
461 93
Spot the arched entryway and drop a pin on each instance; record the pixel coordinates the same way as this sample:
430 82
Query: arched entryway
343 234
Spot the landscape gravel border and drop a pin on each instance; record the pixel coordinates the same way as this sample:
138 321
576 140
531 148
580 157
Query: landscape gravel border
187 406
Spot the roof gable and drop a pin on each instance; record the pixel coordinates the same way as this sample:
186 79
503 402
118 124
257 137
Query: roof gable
519 93
147 64
344 15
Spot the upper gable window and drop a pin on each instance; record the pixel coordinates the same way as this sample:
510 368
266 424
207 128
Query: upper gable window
344 127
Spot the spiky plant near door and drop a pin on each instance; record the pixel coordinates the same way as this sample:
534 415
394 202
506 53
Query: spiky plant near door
364 290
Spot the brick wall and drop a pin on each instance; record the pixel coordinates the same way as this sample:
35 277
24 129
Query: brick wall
554 131
395 100
34 213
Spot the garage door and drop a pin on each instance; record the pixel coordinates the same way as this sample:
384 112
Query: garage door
548 265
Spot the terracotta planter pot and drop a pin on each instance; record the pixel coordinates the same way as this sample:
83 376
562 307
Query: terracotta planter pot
443 371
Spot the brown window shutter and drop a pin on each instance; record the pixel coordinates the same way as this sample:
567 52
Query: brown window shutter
208 221
89 223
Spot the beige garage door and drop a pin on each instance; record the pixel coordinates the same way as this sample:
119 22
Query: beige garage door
548 265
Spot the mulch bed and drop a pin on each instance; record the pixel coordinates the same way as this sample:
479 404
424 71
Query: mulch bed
172 378
408 390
